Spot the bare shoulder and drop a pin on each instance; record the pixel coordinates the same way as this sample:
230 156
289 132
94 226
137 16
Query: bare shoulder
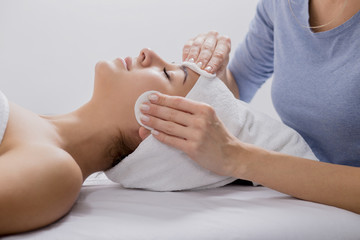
40 183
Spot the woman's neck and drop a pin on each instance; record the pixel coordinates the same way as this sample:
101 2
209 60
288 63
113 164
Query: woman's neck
331 13
86 135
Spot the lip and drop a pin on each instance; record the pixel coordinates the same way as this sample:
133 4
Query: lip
128 62
119 59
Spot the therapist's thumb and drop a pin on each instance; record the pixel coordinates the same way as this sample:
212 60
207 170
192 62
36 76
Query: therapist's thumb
143 133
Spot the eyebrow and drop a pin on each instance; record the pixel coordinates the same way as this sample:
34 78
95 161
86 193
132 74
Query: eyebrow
185 72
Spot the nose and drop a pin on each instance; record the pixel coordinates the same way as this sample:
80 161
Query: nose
148 57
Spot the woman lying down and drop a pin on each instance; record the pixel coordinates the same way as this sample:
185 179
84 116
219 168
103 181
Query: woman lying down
45 159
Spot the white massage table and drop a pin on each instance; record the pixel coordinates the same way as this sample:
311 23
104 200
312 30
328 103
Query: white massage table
106 211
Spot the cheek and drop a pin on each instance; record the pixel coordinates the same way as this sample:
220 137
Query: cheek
140 83
183 89
152 81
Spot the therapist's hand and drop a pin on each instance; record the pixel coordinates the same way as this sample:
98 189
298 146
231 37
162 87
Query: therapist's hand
209 50
195 129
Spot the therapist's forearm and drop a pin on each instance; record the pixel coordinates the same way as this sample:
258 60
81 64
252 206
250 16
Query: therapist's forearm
326 183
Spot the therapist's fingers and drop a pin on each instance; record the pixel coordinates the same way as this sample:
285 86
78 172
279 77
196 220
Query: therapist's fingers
207 49
186 49
175 102
165 109
167 127
167 113
220 56
192 48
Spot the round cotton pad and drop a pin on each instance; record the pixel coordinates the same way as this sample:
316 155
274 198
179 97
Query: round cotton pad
143 98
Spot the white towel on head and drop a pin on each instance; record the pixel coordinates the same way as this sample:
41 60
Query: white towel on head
158 167
4 115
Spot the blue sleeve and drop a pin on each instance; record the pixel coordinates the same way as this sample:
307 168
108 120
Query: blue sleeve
252 63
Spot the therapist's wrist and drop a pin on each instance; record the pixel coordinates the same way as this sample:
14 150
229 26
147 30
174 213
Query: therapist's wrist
237 154
247 160
231 84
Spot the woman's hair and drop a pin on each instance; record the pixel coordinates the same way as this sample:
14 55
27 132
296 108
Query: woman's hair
121 146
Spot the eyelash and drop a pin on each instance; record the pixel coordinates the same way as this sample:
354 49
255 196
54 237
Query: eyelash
166 74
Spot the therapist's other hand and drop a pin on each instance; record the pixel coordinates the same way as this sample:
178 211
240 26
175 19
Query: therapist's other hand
195 129
209 50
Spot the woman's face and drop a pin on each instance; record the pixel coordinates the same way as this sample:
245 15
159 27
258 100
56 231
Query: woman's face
122 81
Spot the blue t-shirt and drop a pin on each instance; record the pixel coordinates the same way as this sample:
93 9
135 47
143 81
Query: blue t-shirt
316 76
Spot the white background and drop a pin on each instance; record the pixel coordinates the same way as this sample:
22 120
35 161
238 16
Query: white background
48 48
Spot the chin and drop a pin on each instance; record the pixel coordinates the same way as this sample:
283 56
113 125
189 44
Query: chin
103 67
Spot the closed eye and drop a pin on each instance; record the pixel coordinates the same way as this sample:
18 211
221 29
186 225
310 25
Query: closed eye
166 74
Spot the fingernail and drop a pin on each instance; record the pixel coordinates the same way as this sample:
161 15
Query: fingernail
191 60
208 68
144 118
144 107
199 64
153 97
154 132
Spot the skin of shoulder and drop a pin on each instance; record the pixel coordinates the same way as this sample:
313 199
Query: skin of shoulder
38 190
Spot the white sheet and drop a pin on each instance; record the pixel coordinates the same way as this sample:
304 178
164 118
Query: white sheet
106 211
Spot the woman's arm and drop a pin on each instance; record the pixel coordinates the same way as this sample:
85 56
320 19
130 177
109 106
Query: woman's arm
195 129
